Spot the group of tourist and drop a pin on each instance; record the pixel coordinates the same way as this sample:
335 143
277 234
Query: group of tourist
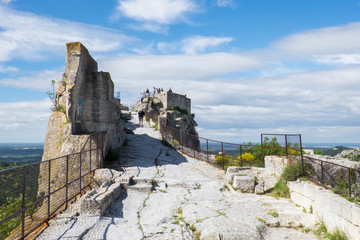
147 94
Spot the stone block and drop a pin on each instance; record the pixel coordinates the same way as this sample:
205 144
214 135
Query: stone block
352 231
336 205
355 216
235 171
103 175
95 202
346 210
244 183
270 182
259 187
275 165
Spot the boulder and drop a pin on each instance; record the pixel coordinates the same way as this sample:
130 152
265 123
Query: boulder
244 183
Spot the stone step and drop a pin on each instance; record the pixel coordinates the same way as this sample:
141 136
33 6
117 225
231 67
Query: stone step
140 180
141 187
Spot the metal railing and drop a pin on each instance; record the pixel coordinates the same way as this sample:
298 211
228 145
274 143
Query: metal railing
330 173
287 145
218 153
34 192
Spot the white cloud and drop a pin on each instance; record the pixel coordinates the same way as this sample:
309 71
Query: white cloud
293 101
134 71
198 44
193 45
24 121
328 40
7 1
8 69
225 3
151 27
37 81
338 59
29 36
156 11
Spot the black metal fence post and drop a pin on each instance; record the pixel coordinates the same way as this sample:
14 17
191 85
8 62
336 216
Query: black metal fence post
222 155
240 156
67 182
322 171
349 180
302 157
49 189
286 146
262 149
23 205
207 149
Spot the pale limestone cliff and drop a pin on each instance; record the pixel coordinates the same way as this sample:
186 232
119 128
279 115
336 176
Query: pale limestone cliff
85 105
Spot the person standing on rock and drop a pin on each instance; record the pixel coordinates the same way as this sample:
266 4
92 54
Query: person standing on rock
141 114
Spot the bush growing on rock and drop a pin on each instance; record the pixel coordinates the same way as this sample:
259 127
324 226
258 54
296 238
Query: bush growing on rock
247 157
294 171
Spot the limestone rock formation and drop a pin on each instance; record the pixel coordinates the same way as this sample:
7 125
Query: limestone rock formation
85 104
174 110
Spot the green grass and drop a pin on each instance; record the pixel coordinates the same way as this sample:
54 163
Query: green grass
281 189
336 235
112 155
273 213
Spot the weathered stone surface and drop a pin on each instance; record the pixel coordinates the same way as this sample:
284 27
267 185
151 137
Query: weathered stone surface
95 202
333 210
189 200
87 99
275 165
244 183
104 175
159 108
266 178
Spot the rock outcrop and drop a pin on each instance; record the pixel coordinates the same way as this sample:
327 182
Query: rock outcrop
85 104
174 111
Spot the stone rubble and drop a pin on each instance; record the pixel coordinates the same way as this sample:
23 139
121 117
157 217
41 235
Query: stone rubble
173 196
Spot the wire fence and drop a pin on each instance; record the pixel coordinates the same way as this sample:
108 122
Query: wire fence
30 194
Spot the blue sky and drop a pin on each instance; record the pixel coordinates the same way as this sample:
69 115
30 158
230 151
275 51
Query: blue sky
249 66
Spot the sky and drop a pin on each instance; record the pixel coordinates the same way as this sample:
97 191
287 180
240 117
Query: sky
249 66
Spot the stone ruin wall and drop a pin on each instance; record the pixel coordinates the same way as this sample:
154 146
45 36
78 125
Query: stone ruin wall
158 108
171 99
89 107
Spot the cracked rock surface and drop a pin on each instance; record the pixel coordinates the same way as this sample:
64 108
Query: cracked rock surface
174 196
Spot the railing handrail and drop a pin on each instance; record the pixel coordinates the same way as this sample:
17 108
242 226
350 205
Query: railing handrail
88 169
349 169
332 163
48 160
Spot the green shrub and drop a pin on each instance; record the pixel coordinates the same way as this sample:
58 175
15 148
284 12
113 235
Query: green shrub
60 108
336 235
294 171
112 155
11 206
321 230
281 189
